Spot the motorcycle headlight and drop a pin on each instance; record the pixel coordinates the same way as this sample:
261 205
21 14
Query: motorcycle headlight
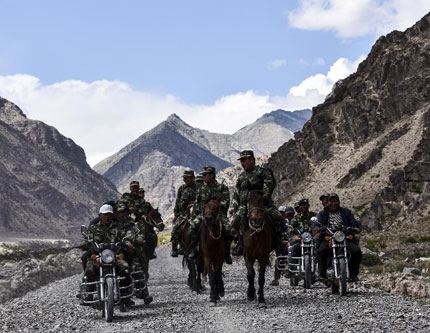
108 256
306 237
339 236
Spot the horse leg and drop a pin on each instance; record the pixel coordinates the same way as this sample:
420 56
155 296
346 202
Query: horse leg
212 282
250 276
220 284
191 273
261 280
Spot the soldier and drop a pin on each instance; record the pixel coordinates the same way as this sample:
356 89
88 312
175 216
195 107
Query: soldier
186 195
254 178
132 201
199 180
135 252
324 200
106 231
304 217
211 190
141 193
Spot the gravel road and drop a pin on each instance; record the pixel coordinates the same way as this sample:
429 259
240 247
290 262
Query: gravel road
54 308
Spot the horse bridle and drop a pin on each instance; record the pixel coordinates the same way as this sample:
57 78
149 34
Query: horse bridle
153 222
260 228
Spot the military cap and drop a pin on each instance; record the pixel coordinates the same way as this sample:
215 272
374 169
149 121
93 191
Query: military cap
289 209
333 196
324 196
141 190
303 201
121 207
199 177
296 206
134 183
208 169
246 154
188 173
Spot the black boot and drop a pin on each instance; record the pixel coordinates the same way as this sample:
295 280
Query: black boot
238 249
174 253
228 259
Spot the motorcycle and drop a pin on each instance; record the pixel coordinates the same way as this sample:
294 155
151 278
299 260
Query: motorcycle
108 291
337 268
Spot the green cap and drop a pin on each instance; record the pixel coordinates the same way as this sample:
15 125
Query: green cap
141 190
188 173
246 154
199 177
134 183
208 169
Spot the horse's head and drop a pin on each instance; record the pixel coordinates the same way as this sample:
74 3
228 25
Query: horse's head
256 208
154 219
211 211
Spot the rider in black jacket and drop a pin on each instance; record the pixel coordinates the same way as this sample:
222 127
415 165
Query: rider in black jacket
331 217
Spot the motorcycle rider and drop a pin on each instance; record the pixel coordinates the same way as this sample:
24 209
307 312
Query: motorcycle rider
186 194
331 217
324 200
106 231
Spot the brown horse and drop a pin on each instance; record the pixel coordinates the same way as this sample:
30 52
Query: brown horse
257 245
212 245
195 266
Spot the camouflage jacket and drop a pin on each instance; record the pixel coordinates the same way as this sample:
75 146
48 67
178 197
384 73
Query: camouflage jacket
137 229
258 179
215 191
132 202
185 195
303 220
100 233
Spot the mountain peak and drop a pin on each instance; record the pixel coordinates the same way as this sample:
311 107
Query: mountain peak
9 112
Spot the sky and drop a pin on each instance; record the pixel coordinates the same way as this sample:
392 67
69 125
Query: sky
104 72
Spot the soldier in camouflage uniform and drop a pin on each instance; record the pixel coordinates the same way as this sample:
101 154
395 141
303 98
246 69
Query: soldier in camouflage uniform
254 178
186 195
133 201
302 220
141 193
211 190
199 181
106 231
135 252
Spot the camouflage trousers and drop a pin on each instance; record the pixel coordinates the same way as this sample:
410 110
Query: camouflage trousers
239 219
196 223
92 271
177 228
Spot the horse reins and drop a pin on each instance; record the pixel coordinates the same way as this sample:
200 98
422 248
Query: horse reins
210 229
258 229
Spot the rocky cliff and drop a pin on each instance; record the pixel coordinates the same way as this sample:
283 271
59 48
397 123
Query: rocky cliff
369 140
158 158
48 189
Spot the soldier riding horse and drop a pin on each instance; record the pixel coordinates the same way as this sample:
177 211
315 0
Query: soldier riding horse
151 220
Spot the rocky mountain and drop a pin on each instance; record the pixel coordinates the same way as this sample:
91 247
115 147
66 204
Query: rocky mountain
48 189
370 139
158 158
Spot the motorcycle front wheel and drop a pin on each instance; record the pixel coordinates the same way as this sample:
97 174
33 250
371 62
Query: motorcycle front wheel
307 279
109 300
342 264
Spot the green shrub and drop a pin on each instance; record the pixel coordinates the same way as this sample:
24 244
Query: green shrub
370 260
376 244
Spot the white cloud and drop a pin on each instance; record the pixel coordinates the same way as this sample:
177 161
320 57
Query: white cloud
275 64
353 18
313 90
104 116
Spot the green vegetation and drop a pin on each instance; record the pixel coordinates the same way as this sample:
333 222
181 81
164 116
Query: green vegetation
11 252
370 260
360 210
376 244
416 239
164 239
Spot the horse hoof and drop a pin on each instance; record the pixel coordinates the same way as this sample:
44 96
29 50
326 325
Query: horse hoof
251 298
212 304
262 305
221 294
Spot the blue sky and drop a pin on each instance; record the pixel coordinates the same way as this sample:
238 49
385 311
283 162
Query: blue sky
123 66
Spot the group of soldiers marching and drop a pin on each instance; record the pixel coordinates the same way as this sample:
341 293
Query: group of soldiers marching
284 221
117 218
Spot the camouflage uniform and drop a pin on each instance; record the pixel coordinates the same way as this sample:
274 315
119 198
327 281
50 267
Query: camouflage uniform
213 191
186 195
261 179
100 233
302 220
134 205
